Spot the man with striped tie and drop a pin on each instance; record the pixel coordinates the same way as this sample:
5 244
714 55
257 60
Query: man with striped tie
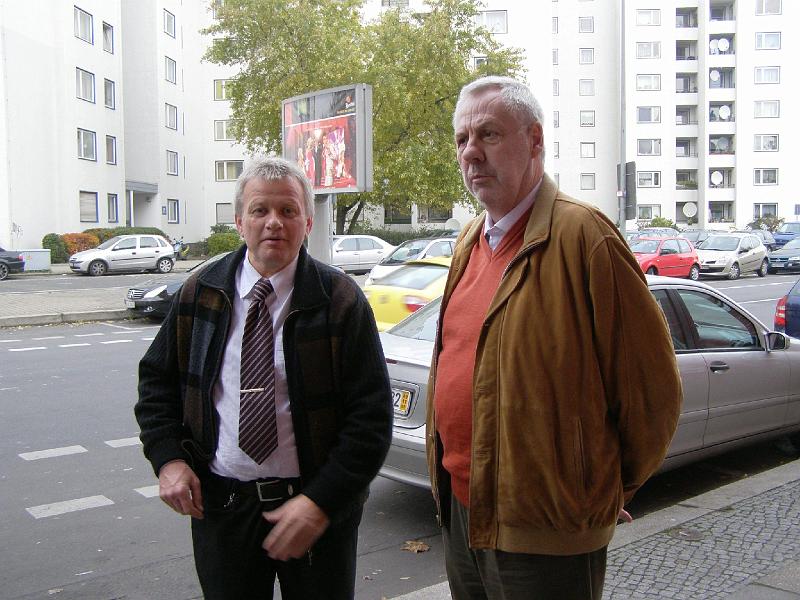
265 406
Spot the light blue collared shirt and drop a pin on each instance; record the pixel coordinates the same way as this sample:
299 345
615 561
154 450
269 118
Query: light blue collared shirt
494 232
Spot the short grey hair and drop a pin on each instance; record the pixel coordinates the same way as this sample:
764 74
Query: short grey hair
272 168
516 96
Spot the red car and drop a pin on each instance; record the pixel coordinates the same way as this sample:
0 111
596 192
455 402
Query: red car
671 257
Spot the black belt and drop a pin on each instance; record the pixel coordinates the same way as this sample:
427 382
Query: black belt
273 489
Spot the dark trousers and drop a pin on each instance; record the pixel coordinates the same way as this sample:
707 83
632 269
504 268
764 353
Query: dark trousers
232 565
497 575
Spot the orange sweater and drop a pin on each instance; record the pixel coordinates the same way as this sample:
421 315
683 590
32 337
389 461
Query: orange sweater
461 328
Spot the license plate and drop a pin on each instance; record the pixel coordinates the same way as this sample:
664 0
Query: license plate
130 304
402 402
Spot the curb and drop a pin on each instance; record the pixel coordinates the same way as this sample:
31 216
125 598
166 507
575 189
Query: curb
70 317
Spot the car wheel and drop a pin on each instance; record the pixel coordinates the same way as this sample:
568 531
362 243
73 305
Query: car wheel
97 267
164 265
735 272
694 273
3 271
762 270
652 271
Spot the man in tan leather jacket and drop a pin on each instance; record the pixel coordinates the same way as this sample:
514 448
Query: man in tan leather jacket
554 391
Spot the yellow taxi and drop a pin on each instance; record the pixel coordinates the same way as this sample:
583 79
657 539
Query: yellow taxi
407 289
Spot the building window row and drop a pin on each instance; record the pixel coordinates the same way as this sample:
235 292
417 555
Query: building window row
648 49
768 75
228 170
221 89
765 176
765 142
87 146
768 40
84 88
768 7
170 70
172 162
767 109
89 208
169 23
170 116
84 29
173 210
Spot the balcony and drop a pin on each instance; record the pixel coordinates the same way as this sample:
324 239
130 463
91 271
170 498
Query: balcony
721 144
685 50
686 179
685 115
721 45
721 212
686 148
685 18
686 83
721 112
721 178
722 78
722 10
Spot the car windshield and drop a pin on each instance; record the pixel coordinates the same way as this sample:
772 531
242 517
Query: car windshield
644 247
415 277
792 244
725 243
405 251
692 236
208 262
421 325
789 228
109 242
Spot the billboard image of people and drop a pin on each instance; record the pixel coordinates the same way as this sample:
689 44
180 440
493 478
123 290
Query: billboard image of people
322 132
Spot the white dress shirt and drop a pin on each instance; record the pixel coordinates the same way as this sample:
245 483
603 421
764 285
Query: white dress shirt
494 232
229 459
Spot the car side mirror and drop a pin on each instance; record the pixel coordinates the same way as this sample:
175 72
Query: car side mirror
777 340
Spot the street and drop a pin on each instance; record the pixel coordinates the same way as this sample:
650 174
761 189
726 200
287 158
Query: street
79 513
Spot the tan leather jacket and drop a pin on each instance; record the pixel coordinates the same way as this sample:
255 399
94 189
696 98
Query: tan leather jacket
576 391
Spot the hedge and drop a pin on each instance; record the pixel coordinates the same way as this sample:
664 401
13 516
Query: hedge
106 233
223 242
76 242
57 247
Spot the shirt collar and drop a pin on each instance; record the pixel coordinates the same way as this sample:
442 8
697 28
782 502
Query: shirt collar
508 220
282 281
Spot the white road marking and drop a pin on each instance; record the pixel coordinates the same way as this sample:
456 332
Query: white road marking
117 342
27 349
73 345
126 332
756 301
60 508
52 452
148 339
52 337
88 334
122 442
151 491
7 389
9 341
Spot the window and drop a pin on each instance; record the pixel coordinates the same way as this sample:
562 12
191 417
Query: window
216 5
585 25
764 210
646 83
587 181
83 25
113 208
225 212
767 109
110 98
649 147
717 324
555 119
170 116
556 150
169 23
648 114
84 85
765 176
768 7
587 149
394 215
586 87
555 56
648 16
229 170
768 75
88 207
586 56
555 24
108 38
768 40
479 61
222 130
111 150
587 118
170 70
496 21
173 210
555 87
172 162
395 3
648 179
648 49
87 148
647 212
765 142
221 89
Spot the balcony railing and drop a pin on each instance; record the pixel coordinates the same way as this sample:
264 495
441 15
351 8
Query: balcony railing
685 185
679 121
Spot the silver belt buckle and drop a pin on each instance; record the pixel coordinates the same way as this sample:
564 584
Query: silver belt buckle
262 487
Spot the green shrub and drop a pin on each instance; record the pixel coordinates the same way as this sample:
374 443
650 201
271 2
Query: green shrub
222 228
76 242
58 249
223 242
106 233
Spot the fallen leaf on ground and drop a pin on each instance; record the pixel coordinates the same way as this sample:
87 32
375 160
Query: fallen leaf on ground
415 546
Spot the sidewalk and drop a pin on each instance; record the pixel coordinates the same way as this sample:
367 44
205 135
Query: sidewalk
740 542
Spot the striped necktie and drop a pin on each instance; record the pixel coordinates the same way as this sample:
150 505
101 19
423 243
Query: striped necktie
258 432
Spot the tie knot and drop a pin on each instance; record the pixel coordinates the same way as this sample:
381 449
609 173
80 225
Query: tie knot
261 290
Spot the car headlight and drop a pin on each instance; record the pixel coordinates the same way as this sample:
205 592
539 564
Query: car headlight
794 258
155 291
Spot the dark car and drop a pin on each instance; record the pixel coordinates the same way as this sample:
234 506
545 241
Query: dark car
785 259
787 312
786 232
152 298
10 262
765 235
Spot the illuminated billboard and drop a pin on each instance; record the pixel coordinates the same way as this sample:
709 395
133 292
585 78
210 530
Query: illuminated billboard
328 133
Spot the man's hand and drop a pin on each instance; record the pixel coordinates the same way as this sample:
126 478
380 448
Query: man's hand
624 516
179 488
298 523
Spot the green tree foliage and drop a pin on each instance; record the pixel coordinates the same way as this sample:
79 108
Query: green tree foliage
223 242
416 63
662 222
770 223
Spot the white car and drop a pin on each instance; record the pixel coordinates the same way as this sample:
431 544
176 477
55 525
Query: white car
731 254
138 252
411 250
358 253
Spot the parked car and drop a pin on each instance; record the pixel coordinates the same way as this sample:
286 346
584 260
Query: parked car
358 253
787 258
787 311
651 232
406 290
671 257
741 382
731 254
152 298
125 253
698 236
411 250
786 232
765 235
10 262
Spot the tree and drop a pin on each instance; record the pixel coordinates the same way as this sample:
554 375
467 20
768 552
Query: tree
768 222
416 63
662 222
